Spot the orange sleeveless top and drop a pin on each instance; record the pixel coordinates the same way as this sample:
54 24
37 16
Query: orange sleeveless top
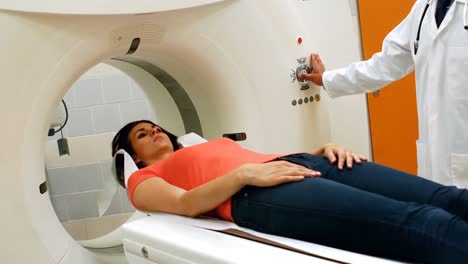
193 166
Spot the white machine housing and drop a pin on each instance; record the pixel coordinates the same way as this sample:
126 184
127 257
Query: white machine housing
226 65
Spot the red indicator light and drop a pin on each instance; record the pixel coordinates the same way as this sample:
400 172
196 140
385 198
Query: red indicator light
299 40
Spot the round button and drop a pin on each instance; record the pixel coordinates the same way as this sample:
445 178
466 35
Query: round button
300 101
311 99
306 100
317 97
294 102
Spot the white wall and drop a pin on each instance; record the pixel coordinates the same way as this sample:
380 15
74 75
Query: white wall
349 123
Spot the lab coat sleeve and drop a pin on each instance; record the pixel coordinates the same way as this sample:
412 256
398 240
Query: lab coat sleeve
391 64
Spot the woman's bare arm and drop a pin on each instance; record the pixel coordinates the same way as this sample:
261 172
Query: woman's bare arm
155 194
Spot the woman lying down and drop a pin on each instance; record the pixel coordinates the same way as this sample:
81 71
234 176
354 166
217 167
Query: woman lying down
329 196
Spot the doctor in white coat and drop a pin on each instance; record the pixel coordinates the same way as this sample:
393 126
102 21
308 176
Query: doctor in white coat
433 41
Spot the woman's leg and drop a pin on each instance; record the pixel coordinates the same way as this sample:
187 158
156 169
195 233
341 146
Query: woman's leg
326 212
378 179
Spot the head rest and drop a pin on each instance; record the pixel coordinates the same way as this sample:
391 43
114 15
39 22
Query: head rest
123 166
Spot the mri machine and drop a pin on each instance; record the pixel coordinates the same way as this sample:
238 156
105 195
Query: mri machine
229 65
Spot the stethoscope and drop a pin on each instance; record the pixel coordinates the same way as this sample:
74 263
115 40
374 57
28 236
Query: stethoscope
416 43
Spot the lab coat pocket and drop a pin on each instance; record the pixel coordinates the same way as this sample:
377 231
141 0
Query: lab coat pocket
459 169
422 158
457 79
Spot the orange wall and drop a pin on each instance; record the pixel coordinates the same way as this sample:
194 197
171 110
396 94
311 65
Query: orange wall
393 117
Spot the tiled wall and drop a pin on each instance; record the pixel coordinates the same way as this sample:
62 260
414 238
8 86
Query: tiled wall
90 228
75 191
102 101
100 104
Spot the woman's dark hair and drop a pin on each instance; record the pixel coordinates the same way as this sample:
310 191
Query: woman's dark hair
121 141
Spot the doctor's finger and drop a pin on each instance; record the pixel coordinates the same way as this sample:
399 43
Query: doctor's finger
306 76
312 58
318 59
314 77
317 62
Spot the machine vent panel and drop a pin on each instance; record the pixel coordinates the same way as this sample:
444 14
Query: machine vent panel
146 32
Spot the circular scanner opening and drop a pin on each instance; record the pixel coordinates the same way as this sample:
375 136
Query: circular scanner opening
87 200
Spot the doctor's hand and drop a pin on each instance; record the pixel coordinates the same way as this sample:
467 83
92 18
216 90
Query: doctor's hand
318 68
273 173
340 155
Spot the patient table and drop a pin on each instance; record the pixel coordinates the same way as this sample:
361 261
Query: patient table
165 238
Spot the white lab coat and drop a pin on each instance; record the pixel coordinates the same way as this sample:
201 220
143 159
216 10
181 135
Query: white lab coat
441 66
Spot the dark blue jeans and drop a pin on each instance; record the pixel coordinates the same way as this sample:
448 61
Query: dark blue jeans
370 209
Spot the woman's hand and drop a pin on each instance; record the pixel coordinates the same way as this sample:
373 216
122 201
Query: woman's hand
274 173
341 154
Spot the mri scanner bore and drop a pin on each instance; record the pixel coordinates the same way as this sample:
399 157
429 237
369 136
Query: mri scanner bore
85 198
